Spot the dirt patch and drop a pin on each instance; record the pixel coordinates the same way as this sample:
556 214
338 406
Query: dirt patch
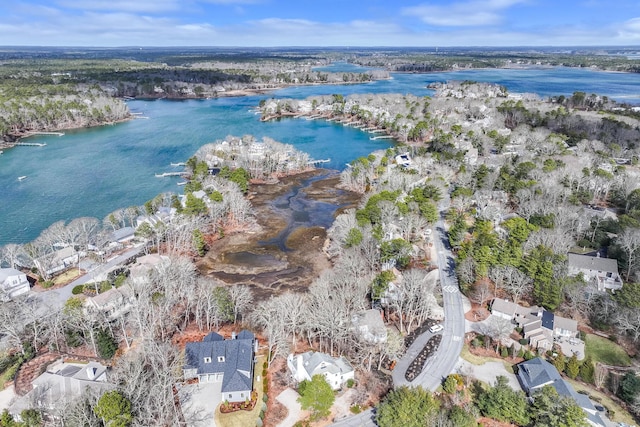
477 313
285 251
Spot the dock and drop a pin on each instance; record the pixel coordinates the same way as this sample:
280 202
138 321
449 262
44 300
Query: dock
178 164
165 174
31 144
47 133
373 138
316 162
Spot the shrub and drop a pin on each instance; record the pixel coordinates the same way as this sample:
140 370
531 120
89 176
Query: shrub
77 290
524 341
265 398
350 382
106 344
47 284
355 409
259 422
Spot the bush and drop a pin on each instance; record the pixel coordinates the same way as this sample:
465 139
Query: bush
350 382
259 422
524 341
265 387
355 409
77 290
106 344
265 398
47 284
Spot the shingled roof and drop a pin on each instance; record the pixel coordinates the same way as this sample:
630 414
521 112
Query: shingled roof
233 358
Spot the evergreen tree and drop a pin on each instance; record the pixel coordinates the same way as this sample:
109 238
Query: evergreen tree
114 409
573 367
551 410
502 403
587 370
407 407
317 396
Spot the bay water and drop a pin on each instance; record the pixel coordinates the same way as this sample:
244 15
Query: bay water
92 172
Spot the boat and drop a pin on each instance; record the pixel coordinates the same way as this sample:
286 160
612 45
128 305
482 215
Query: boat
22 178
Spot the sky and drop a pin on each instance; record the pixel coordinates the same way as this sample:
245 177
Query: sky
257 23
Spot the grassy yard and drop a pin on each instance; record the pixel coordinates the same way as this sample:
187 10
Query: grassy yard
474 359
606 351
620 415
244 418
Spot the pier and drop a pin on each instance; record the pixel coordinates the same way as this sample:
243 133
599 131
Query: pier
46 133
31 144
178 164
165 174
373 138
316 162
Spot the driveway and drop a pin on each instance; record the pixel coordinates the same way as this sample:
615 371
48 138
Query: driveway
487 372
6 396
289 398
199 402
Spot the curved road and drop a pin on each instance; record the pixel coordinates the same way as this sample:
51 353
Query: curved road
444 361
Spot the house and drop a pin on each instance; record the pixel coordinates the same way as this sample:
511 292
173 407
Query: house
370 326
122 235
139 271
113 303
537 373
403 160
603 270
57 261
12 283
62 382
229 362
336 371
542 328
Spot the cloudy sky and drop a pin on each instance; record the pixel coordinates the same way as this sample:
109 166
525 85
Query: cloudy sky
319 22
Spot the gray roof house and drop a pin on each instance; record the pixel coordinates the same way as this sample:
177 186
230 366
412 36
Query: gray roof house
57 261
537 373
113 303
12 283
542 328
369 325
230 362
603 270
336 371
61 382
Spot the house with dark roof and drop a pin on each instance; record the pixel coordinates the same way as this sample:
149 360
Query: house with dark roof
230 362
537 373
603 270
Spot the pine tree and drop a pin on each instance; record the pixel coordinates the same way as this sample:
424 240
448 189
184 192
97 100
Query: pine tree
572 369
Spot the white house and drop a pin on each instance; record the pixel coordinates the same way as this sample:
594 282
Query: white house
336 371
62 382
603 270
13 283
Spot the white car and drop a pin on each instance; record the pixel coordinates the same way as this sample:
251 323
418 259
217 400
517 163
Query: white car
436 328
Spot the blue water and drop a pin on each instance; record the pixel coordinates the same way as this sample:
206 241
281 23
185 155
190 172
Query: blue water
93 172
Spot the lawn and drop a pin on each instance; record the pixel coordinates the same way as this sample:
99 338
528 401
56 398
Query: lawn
477 360
244 418
606 351
621 415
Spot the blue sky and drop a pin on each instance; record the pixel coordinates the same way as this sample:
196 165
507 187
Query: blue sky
320 22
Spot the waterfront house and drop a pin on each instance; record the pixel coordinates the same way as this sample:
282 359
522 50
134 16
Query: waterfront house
139 272
604 271
337 371
537 373
57 261
230 362
122 235
12 283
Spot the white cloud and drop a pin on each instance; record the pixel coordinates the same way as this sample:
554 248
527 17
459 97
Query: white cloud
463 14
145 6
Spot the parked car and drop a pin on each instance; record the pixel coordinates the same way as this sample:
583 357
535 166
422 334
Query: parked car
436 328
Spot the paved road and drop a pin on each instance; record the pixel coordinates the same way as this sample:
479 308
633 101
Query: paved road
444 361
55 299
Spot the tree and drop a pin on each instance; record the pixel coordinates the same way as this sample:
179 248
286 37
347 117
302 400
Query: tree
317 396
114 409
450 384
587 370
106 344
551 410
629 242
407 407
502 403
194 205
629 387
572 369
199 244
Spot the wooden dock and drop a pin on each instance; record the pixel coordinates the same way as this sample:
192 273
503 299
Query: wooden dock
165 174
31 144
316 162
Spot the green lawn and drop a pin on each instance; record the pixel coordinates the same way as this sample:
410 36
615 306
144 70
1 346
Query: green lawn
606 351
